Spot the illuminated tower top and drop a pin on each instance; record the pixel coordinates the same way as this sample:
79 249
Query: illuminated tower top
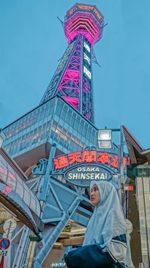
83 26
86 20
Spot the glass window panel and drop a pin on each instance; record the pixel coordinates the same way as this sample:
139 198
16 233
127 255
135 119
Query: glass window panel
33 204
12 178
76 123
64 112
26 197
83 128
73 119
19 189
59 108
70 116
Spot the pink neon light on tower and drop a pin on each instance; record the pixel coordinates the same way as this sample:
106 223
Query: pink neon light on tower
85 20
83 26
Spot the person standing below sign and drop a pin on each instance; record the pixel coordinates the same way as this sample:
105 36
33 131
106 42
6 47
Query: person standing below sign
105 242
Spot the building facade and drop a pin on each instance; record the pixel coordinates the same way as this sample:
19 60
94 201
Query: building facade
143 200
139 171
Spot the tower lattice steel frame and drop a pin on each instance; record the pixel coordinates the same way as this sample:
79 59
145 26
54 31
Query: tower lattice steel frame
83 26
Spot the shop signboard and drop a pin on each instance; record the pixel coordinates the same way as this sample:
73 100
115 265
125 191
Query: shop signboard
80 168
83 174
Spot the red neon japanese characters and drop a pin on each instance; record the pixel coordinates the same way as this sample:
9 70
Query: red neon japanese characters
88 157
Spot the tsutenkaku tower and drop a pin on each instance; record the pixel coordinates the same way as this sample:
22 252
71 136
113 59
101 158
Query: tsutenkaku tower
83 26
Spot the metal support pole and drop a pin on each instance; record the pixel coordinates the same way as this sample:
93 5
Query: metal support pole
45 181
121 168
55 234
120 158
122 175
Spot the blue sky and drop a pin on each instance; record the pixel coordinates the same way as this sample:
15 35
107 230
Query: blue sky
32 41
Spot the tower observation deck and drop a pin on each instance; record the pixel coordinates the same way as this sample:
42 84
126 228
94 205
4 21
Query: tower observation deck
83 26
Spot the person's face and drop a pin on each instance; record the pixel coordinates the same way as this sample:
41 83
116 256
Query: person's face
95 195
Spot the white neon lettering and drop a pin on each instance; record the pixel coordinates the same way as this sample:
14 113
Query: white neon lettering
88 176
87 47
87 58
87 72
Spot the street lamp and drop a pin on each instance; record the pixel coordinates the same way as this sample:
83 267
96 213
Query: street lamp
105 138
105 142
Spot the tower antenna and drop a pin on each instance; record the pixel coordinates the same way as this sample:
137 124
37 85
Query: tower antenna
62 23
94 59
